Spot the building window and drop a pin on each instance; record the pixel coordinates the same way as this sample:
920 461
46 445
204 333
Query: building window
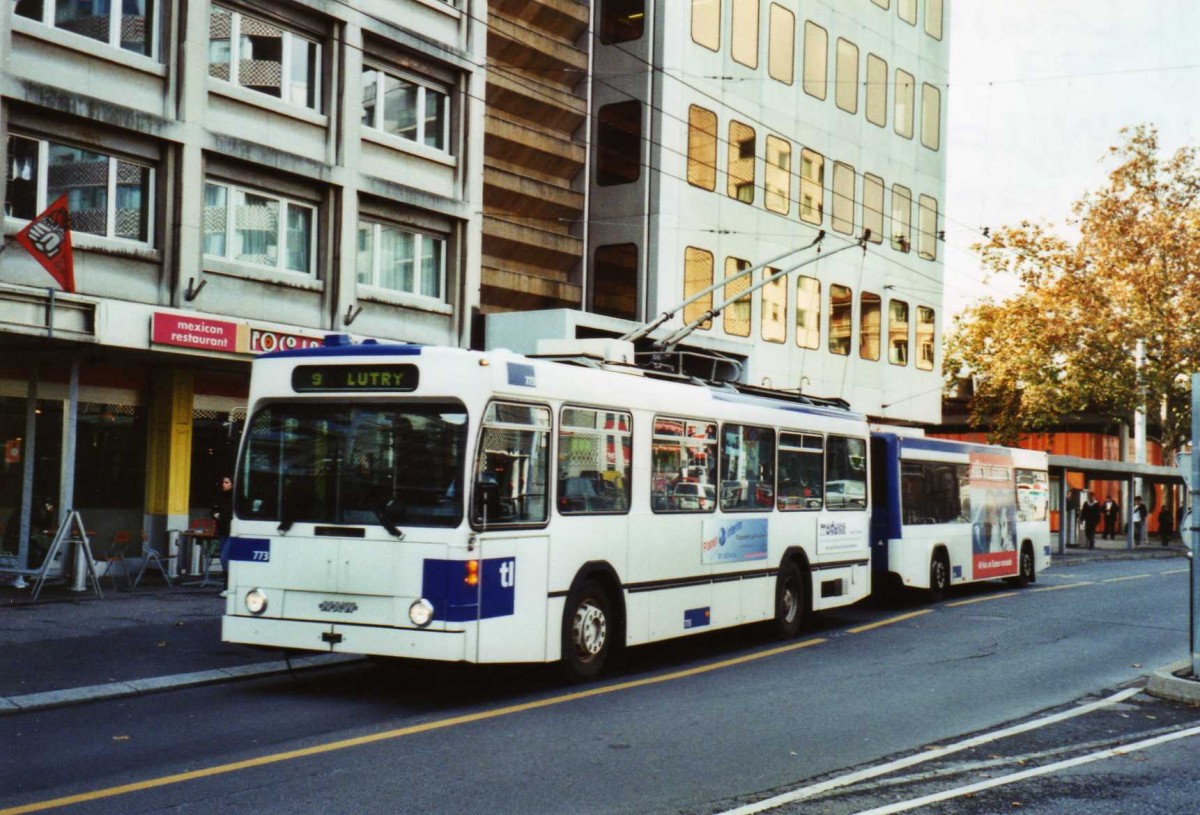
901 218
736 315
808 312
927 228
841 316
774 306
741 162
614 281
706 23
747 467
697 276
877 75
778 175
744 37
870 315
106 196
247 226
873 207
933 18
931 116
903 105
260 56
781 48
702 148
405 108
816 59
907 9
812 186
842 216
622 21
925 333
595 461
401 260
129 25
619 143
846 80
898 332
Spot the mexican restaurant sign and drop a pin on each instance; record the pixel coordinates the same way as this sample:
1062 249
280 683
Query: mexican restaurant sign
190 331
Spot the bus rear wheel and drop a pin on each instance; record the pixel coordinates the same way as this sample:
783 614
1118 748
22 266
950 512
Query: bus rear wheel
789 601
587 632
939 577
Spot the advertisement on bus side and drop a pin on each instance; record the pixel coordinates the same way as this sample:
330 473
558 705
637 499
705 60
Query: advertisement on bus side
993 515
733 541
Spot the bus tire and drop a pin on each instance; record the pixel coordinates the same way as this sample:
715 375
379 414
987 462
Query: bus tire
939 576
587 632
789 601
1025 568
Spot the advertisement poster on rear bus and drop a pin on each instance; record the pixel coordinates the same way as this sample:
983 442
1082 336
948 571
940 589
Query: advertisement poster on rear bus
993 515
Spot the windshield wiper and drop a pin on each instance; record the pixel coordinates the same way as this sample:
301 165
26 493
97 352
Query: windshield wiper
385 518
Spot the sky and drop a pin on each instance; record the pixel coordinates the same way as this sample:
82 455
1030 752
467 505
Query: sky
1039 90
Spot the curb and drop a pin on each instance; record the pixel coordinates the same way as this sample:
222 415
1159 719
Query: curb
139 687
1176 683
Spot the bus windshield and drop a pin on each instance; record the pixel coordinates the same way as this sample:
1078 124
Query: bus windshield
364 464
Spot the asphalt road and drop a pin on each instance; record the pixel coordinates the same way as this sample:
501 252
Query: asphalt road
703 725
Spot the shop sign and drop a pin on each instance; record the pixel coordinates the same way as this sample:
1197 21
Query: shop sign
263 341
194 332
12 451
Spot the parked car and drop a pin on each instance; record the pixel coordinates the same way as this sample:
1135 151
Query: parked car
691 495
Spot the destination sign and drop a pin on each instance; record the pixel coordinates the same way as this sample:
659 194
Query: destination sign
334 378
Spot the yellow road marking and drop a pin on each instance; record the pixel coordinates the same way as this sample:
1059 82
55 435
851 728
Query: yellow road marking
982 599
1127 577
343 744
869 626
1043 588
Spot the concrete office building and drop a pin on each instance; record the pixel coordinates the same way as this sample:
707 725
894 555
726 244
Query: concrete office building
240 176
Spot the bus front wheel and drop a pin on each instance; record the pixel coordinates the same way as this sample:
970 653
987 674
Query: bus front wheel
587 632
939 577
789 601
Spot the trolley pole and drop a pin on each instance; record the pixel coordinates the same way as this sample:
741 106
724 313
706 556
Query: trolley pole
1193 532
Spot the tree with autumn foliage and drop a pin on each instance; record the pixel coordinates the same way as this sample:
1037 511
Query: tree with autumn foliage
1065 344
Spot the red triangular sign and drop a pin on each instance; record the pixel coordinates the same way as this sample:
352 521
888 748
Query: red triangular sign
48 238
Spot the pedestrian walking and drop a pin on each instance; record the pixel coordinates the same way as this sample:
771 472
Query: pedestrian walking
1112 517
222 513
1140 513
1090 515
1165 523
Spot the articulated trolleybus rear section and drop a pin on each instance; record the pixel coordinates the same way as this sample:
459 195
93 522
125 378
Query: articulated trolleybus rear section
444 504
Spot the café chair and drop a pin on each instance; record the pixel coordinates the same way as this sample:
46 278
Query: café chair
152 559
119 552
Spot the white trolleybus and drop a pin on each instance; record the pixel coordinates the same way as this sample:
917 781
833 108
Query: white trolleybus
948 512
444 504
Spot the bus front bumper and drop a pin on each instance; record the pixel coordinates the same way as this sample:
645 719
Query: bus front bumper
445 646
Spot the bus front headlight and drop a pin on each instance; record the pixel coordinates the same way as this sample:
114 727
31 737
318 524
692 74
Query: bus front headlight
421 612
256 601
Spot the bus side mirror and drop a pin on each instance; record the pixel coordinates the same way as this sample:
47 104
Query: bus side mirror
486 502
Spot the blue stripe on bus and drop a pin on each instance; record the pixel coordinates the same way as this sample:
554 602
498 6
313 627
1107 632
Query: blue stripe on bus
364 349
443 584
946 446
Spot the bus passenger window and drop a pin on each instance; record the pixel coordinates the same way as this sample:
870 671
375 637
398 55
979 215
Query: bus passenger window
801 463
683 466
511 466
595 461
845 473
747 467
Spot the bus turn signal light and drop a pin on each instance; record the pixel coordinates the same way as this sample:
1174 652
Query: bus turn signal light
471 578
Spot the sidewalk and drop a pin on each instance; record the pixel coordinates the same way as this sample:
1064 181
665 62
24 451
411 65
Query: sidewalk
69 647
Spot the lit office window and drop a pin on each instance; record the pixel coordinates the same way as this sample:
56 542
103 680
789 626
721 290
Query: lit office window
901 218
622 20
781 47
841 316
816 59
903 105
774 306
931 116
933 18
744 33
259 228
130 25
697 276
873 207
870 314
619 143
702 148
842 214
778 176
846 82
812 186
877 75
263 57
925 336
401 260
706 23
927 227
898 332
808 312
741 162
736 315
106 196
907 9
405 108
